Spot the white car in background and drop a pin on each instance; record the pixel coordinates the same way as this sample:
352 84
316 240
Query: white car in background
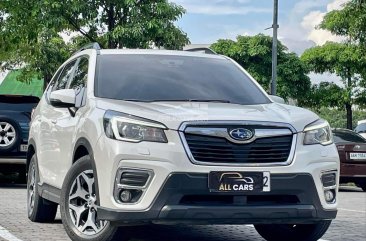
361 128
131 137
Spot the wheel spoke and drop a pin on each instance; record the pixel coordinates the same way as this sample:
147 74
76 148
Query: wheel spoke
6 140
80 191
11 134
78 211
89 181
7 127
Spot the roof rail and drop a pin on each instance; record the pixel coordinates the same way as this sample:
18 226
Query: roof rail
95 46
201 50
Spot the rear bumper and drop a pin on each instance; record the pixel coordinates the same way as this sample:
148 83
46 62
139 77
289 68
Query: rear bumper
15 160
351 172
185 198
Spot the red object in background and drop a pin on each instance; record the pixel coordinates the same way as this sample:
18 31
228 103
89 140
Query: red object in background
352 153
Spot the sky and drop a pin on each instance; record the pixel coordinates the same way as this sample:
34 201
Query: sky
206 21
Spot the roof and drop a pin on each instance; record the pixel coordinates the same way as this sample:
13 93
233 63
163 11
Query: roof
160 52
10 86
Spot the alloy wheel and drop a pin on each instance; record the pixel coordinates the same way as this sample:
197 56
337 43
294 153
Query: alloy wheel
83 204
31 188
7 134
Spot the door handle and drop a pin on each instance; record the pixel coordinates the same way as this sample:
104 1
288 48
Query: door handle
54 121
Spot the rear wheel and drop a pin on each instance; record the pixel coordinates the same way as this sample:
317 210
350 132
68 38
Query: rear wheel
9 135
290 232
79 205
39 209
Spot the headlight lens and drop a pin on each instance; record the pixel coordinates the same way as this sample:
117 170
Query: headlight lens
318 133
129 128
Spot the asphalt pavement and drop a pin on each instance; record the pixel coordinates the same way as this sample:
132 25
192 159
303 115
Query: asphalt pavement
350 224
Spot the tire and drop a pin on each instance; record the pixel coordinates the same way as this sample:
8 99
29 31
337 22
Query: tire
288 232
78 195
39 209
10 135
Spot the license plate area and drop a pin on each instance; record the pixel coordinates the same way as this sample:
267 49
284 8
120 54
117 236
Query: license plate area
357 156
239 182
23 148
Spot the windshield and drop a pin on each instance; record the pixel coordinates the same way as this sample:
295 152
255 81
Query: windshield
345 136
361 128
174 78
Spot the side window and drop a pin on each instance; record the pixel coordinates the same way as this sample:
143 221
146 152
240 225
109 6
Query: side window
81 75
65 76
52 83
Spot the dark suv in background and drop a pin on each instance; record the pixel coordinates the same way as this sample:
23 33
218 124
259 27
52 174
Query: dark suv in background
15 115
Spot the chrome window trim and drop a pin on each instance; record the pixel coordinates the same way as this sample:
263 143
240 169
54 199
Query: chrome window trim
190 124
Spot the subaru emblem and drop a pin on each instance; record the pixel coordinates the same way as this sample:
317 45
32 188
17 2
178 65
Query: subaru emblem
241 134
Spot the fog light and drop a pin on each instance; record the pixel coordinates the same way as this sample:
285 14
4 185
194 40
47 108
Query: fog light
329 196
125 196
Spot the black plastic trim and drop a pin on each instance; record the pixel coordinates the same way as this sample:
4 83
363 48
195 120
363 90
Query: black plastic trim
168 209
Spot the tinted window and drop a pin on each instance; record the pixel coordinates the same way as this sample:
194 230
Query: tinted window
361 128
345 136
18 103
171 78
81 75
65 76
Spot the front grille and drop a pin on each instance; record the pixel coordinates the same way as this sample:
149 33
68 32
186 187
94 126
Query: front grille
220 150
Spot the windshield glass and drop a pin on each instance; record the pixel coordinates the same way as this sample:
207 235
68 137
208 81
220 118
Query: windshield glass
343 136
174 78
361 128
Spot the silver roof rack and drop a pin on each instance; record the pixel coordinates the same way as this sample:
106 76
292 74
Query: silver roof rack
201 50
95 46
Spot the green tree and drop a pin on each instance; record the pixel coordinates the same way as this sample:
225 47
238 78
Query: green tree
347 59
29 29
325 94
254 53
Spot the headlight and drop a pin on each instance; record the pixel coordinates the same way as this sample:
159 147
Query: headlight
318 133
125 127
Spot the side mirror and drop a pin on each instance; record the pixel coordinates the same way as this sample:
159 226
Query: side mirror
63 98
277 99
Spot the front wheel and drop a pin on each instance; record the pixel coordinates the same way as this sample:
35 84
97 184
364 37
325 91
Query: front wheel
79 205
290 232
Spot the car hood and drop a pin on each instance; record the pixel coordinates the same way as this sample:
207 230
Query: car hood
173 114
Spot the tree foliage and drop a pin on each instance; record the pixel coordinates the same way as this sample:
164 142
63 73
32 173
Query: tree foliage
254 53
30 29
350 21
347 59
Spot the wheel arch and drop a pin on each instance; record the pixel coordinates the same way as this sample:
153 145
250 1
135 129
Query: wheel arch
31 151
83 148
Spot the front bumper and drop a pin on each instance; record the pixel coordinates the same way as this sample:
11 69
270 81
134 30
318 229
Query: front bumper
185 198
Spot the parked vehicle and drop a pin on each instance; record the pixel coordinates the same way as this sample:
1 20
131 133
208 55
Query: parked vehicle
361 128
352 152
15 113
131 137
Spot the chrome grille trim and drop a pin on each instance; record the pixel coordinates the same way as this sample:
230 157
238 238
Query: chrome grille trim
196 127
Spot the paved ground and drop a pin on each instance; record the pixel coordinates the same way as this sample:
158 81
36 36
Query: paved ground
350 224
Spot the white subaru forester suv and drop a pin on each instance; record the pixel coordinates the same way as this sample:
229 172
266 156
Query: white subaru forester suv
131 137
